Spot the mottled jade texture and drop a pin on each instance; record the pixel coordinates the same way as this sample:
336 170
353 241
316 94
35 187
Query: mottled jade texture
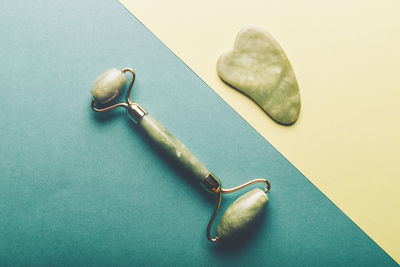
242 213
173 148
108 85
258 67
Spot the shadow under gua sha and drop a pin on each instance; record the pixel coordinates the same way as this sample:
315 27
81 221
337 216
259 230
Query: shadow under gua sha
258 67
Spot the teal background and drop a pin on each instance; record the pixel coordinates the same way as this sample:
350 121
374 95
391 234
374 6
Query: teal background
82 189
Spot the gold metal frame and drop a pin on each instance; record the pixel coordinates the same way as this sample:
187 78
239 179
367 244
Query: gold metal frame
127 97
210 183
227 191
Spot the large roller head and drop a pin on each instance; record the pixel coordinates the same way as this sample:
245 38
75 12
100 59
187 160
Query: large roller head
242 213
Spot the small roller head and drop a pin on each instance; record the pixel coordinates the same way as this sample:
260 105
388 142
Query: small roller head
242 213
108 85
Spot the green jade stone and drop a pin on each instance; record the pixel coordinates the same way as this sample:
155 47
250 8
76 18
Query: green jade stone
242 213
258 67
239 214
173 148
108 85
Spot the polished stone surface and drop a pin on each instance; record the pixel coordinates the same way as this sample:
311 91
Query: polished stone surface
242 213
173 148
258 67
82 188
108 85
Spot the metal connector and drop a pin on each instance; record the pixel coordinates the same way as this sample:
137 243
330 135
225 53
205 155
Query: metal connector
211 184
135 112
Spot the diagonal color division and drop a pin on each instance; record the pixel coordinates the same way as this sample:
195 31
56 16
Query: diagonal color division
345 55
79 189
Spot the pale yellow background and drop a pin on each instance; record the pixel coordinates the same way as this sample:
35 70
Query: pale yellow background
347 61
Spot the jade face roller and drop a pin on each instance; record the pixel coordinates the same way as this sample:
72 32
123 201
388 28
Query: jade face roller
240 214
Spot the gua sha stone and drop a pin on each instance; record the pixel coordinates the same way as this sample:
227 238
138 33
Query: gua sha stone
258 67
242 213
108 85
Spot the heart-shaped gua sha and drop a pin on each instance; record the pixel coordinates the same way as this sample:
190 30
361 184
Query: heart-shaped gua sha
258 67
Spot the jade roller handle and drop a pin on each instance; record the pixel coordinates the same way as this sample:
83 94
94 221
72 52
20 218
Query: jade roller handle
109 86
173 148
240 214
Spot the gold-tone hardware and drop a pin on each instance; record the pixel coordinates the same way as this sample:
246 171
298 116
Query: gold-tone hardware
122 104
260 180
210 223
211 184
226 191
135 112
